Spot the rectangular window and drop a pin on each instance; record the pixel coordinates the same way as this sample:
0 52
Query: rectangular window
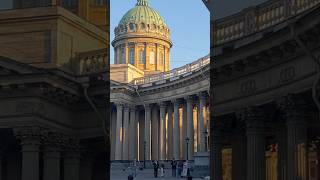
69 3
123 55
142 57
161 58
152 58
131 56
100 2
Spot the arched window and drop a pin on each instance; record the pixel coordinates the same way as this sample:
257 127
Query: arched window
152 58
143 26
131 56
131 26
142 57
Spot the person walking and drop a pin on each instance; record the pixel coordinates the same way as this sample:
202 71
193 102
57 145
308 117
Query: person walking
155 169
174 167
162 171
180 166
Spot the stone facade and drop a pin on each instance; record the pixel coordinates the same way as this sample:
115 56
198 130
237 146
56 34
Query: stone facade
265 94
53 88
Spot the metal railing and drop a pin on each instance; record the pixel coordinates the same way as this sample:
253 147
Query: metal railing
257 18
186 69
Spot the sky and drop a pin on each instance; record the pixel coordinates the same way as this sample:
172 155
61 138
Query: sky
189 23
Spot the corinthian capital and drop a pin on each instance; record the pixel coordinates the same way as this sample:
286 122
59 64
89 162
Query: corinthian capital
292 105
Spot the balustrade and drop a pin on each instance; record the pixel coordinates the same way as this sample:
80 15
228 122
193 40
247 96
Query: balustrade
257 18
192 67
92 62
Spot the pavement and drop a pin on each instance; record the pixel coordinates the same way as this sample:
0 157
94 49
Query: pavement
146 174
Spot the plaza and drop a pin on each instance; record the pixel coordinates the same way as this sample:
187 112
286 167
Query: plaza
146 174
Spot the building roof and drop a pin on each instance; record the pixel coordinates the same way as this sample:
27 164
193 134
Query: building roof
142 13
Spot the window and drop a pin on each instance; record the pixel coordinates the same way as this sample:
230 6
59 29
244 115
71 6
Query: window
131 26
152 57
161 58
123 55
100 2
131 56
69 3
25 3
141 57
143 26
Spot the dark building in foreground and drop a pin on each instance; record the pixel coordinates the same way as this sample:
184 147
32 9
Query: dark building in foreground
265 86
53 90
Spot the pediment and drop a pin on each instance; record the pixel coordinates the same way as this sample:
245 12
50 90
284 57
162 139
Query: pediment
12 67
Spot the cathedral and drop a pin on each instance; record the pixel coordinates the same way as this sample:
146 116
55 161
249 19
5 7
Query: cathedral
157 113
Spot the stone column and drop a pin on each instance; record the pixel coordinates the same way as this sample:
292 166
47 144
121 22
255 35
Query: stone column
30 143
217 151
86 168
176 130
162 133
239 156
147 131
202 138
72 164
113 133
256 160
138 133
51 157
125 149
136 55
1 163
133 134
295 109
282 152
190 130
184 130
170 132
118 148
127 53
155 133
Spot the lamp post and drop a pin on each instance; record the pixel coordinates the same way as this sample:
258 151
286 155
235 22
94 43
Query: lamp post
206 139
144 154
187 141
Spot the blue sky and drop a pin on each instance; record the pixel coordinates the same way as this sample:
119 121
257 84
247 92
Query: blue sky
188 20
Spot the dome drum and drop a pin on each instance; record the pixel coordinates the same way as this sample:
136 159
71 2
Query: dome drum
142 28
142 39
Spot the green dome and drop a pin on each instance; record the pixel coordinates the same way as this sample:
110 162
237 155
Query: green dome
142 13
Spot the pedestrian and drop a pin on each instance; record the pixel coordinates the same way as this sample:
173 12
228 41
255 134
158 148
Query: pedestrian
162 170
135 167
174 167
180 165
155 169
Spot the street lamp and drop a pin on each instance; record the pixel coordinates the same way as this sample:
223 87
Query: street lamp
206 138
144 154
187 141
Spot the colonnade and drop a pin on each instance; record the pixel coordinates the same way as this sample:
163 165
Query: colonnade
33 153
162 130
266 144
